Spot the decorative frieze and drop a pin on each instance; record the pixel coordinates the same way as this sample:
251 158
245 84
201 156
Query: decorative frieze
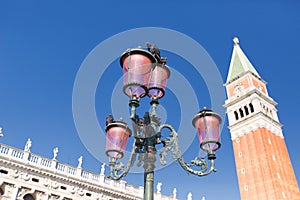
254 123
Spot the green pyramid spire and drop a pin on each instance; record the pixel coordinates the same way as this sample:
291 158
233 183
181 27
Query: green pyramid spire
239 62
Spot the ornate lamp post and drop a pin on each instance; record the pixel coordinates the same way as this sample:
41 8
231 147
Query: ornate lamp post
145 74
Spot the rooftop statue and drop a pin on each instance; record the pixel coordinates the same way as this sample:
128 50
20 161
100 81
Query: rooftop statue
158 187
174 193
55 151
28 145
102 169
190 196
79 162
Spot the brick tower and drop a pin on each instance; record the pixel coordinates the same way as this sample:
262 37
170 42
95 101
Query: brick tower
262 162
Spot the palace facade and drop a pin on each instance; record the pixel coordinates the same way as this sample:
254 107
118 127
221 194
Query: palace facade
24 175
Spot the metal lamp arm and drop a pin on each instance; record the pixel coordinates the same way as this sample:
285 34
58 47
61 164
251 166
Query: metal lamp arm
116 167
205 172
172 144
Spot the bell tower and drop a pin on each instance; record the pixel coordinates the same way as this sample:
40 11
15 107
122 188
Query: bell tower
262 161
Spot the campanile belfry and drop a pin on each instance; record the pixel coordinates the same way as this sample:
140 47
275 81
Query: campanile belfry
262 161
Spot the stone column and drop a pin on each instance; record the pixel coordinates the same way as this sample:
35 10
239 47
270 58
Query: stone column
123 185
26 156
53 164
15 192
101 178
46 196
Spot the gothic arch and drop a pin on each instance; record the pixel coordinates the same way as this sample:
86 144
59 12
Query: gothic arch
236 115
1 193
28 197
251 107
241 113
246 110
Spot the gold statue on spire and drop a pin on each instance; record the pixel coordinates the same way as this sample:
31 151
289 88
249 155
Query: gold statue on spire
236 40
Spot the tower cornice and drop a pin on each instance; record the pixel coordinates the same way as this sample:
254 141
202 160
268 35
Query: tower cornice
247 94
254 122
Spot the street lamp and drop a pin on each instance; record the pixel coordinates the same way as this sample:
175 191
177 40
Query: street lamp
145 73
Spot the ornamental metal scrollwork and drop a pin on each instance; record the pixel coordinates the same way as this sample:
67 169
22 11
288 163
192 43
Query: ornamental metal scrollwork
171 144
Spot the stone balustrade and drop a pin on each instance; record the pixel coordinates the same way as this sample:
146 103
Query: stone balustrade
52 166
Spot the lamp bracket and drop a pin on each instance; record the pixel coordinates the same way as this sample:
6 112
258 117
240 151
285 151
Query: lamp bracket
116 167
171 144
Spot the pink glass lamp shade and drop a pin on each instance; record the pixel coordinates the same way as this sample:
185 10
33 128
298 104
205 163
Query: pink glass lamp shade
207 124
158 81
117 134
137 64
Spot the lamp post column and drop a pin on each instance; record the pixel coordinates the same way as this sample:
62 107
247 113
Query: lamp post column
149 165
145 74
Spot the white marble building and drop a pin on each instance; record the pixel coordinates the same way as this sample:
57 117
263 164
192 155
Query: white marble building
24 175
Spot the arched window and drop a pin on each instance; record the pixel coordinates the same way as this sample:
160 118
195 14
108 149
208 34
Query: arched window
28 197
246 110
251 108
236 115
241 113
271 113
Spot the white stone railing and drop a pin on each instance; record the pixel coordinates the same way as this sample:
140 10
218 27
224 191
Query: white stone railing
3 149
28 158
11 152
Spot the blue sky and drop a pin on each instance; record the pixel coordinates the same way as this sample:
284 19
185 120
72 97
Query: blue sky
43 44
